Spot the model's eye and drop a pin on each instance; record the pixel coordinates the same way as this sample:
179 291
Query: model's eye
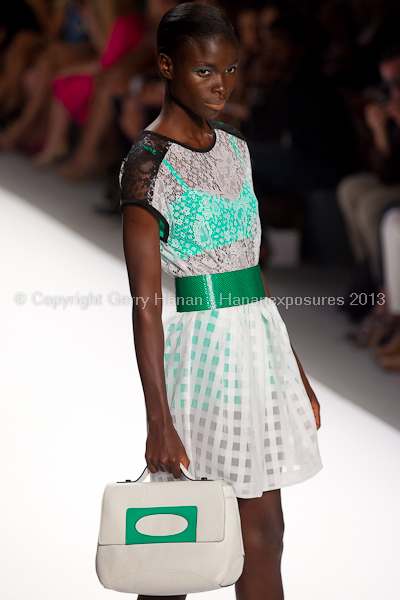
232 69
203 72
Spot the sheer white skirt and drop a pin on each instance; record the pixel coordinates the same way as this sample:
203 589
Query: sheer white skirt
237 399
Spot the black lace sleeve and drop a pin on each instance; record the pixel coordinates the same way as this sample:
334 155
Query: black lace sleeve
138 175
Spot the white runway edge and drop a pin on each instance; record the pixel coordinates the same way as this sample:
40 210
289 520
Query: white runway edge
73 420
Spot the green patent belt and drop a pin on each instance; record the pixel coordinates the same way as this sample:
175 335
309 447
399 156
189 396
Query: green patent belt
219 290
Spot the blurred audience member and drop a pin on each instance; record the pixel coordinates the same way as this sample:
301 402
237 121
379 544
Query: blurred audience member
68 44
363 197
247 22
23 26
338 57
388 354
300 134
377 26
380 328
115 30
129 89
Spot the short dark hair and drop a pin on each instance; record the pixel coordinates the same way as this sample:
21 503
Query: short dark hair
191 21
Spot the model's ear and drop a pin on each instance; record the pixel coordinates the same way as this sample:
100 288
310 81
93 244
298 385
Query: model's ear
165 65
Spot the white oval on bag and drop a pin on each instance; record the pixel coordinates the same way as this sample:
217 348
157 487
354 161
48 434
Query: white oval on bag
161 524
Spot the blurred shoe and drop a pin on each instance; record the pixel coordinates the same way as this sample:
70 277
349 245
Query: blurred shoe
381 331
369 332
49 157
363 329
390 363
393 344
362 285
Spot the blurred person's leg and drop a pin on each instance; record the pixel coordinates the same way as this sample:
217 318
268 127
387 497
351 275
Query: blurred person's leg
370 209
36 82
18 56
362 199
349 193
390 228
56 144
101 116
389 353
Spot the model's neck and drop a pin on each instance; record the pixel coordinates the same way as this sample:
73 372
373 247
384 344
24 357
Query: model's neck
178 122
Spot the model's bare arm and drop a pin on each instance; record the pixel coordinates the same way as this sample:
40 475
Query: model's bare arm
265 285
164 448
310 392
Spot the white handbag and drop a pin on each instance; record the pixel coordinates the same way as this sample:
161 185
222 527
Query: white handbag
169 538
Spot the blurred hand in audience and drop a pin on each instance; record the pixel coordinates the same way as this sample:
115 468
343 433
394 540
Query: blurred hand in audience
376 116
393 110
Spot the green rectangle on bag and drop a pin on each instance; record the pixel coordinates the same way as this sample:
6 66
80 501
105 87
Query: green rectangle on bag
133 536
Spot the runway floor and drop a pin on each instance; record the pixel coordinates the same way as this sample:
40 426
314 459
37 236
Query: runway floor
73 420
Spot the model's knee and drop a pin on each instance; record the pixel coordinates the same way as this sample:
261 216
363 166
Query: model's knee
265 540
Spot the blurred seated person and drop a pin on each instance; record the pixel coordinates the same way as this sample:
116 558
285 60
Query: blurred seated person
363 197
380 328
23 27
388 354
247 23
128 90
252 26
115 30
377 26
299 130
68 44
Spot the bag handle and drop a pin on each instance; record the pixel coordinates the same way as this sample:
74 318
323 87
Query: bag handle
146 472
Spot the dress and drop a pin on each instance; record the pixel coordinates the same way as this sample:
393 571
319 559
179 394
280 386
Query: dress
233 385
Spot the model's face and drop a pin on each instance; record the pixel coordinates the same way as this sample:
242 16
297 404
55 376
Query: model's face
202 76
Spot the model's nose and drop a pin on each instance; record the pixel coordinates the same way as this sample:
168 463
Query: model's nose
220 86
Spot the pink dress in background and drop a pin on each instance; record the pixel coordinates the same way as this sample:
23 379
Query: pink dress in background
75 91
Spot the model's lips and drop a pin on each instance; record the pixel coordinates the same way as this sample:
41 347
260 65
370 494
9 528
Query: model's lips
215 106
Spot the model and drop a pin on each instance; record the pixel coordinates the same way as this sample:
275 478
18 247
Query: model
224 390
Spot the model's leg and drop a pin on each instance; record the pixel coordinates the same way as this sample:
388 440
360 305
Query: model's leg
262 530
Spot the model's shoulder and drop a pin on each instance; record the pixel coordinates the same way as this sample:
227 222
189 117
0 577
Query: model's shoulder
227 128
140 167
148 148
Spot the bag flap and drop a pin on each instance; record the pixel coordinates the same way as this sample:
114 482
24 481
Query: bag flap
204 521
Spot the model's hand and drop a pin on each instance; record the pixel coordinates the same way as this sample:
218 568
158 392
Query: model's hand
315 407
309 390
165 451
